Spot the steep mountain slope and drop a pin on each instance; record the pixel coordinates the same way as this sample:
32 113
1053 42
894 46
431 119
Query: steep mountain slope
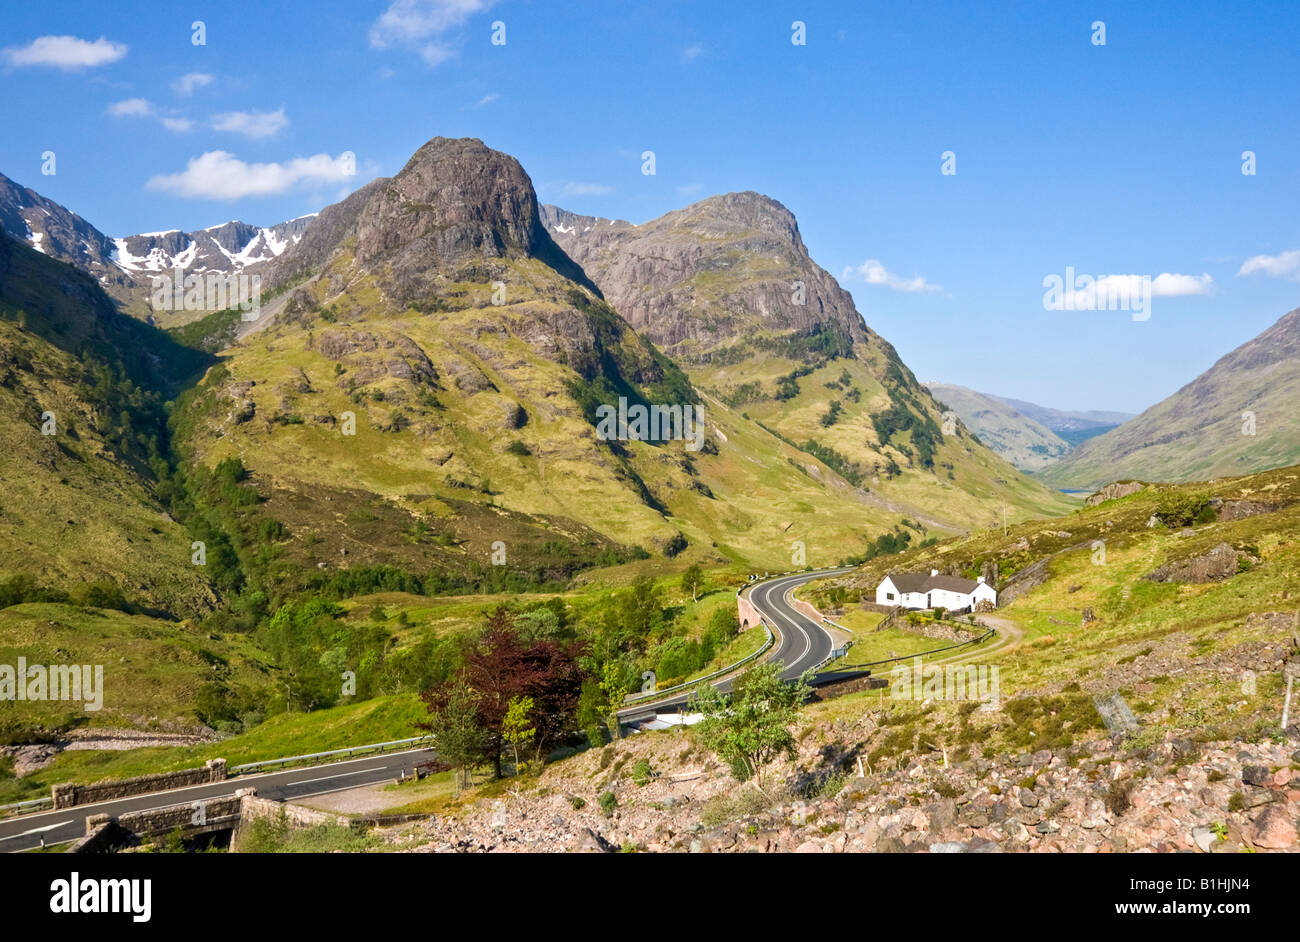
1009 433
727 289
1073 427
81 396
433 310
53 230
1237 417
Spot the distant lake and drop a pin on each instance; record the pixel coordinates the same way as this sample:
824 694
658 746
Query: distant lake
1066 490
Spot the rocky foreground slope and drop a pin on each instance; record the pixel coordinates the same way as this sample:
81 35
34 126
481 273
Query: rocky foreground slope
1097 797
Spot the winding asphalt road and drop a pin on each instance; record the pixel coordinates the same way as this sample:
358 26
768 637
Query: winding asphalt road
23 832
802 644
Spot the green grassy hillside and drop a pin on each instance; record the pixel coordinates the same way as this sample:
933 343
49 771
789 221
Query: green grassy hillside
1105 604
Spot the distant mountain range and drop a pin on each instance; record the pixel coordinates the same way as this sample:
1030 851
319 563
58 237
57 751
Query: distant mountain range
1027 444
230 247
430 361
1238 417
1029 436
125 266
1072 427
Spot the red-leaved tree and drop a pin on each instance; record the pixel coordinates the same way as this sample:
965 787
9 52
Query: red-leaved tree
498 665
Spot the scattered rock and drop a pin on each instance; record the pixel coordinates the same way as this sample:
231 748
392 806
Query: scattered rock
1275 829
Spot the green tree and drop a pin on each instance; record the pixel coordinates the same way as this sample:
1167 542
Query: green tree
752 730
458 731
614 685
693 581
515 728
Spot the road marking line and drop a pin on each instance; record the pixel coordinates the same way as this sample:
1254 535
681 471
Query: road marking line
48 827
326 778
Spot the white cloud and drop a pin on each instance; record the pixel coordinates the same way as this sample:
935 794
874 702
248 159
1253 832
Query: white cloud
65 52
1285 265
1167 285
1098 294
131 108
487 99
144 108
586 189
873 272
420 24
252 123
187 83
692 52
219 175
690 189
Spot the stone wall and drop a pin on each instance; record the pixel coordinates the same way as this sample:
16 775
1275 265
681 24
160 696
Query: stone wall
105 833
854 683
806 608
253 808
101 837
939 630
746 612
68 795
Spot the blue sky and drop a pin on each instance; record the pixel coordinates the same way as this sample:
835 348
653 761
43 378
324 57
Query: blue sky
1122 159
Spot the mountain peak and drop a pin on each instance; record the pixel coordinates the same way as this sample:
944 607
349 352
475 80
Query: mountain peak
704 277
456 204
454 198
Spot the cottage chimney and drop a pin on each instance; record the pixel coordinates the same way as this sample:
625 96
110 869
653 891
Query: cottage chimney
979 579
934 572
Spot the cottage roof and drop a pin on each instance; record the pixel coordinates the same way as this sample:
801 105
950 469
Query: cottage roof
924 582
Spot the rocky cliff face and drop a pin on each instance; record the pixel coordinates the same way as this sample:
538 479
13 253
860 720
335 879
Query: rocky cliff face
461 214
454 213
727 289
699 278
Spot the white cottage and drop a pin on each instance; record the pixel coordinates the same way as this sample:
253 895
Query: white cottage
917 590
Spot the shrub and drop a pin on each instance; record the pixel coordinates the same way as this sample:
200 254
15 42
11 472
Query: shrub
608 801
1117 797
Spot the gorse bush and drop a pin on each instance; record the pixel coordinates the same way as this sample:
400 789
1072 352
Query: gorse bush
1182 508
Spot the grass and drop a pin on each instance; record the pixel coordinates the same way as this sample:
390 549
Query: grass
745 644
73 510
1140 629
275 836
892 642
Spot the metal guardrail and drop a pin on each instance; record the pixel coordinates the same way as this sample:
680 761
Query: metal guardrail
642 699
22 807
351 750
633 700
